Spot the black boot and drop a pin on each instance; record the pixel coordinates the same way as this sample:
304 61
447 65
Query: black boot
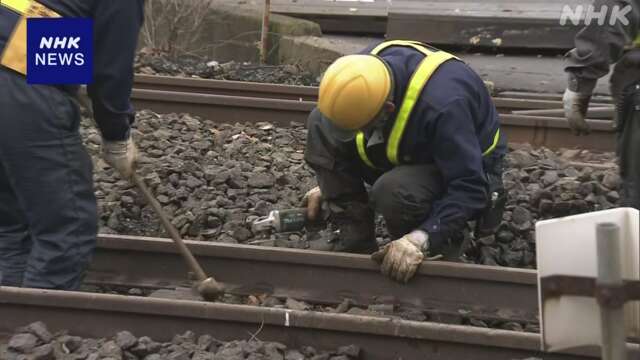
354 229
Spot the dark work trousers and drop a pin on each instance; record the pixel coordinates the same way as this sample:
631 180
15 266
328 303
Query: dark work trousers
625 89
48 216
403 195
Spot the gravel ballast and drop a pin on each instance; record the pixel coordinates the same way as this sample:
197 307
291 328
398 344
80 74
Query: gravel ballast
36 342
186 66
215 179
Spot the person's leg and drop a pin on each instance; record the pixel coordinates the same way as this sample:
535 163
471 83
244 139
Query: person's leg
51 175
339 178
15 241
625 88
404 196
490 218
628 148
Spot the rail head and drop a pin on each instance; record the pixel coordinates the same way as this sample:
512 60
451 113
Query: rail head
316 258
189 309
208 85
381 338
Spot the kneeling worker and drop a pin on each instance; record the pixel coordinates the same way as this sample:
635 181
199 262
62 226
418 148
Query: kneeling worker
419 126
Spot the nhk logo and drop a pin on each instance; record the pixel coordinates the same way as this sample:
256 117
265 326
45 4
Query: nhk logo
57 58
609 15
59 51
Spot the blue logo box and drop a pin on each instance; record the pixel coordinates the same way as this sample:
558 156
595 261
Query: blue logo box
59 51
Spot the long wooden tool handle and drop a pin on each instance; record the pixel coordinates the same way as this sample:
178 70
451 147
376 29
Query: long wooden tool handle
173 232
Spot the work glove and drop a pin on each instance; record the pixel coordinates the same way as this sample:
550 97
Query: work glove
575 109
121 155
312 200
401 258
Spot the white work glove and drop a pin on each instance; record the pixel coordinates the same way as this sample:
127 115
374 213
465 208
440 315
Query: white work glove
575 109
121 155
312 200
400 259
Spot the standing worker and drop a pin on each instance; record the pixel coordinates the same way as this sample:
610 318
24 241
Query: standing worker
419 126
48 216
597 46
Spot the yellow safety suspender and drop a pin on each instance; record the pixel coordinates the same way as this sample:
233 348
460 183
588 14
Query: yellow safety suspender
496 138
14 55
362 149
19 6
419 79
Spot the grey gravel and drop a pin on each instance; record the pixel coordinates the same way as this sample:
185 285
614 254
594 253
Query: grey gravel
23 343
215 179
191 66
186 346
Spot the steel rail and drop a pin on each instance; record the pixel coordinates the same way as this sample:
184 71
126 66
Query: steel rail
226 87
554 97
504 100
99 315
223 108
445 290
552 132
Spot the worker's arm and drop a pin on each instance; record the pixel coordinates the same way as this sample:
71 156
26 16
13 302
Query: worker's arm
116 27
598 46
458 155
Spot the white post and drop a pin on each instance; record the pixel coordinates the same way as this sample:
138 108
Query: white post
610 274
264 39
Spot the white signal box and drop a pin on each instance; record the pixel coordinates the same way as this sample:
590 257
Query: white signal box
567 246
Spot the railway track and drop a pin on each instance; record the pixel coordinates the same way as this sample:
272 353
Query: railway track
231 101
449 294
161 319
313 276
321 277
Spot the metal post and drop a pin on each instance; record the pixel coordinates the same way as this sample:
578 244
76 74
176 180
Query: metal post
610 274
264 40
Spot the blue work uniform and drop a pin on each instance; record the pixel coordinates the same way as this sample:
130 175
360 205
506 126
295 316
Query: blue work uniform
48 216
449 151
598 46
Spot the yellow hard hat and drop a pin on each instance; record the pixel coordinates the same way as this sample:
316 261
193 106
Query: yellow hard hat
353 90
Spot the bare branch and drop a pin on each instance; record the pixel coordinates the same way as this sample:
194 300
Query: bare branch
174 25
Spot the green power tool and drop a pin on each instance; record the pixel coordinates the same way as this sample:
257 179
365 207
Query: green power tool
282 221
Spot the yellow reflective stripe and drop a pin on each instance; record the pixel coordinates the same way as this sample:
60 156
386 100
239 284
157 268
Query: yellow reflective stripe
414 44
362 149
14 55
418 80
496 137
19 6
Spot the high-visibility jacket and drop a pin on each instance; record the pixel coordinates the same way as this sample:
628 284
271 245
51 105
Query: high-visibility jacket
432 60
116 27
444 115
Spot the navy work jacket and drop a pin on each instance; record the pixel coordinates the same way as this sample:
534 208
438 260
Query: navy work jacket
116 27
452 124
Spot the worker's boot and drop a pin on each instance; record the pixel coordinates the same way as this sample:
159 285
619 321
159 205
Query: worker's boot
353 229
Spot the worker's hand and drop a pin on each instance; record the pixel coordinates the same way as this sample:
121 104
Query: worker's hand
121 155
313 201
575 109
400 259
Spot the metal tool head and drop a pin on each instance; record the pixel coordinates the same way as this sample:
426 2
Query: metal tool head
210 289
267 223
